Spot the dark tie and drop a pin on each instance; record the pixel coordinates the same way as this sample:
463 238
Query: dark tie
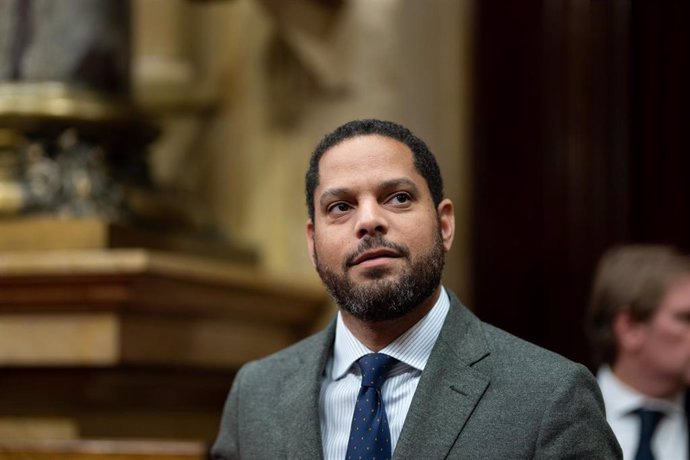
649 419
370 437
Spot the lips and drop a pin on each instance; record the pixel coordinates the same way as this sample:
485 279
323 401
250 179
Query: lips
374 254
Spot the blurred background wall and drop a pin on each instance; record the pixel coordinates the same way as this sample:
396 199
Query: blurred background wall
283 74
580 112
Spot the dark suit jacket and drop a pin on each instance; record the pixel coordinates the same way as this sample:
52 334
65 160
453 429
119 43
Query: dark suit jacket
484 394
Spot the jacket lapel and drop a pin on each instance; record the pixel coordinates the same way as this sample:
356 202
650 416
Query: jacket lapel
300 402
448 390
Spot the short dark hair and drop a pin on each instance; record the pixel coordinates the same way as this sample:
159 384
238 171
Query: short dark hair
424 161
631 278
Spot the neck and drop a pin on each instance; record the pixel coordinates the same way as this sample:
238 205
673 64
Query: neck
642 381
375 335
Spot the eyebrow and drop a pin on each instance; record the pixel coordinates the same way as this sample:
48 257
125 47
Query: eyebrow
337 192
333 193
398 183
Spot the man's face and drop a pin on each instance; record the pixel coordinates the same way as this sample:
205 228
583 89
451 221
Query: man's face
377 240
665 338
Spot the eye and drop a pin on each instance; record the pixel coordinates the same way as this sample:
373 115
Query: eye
400 198
338 208
683 317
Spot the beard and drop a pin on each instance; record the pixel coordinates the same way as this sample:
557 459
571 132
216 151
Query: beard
381 299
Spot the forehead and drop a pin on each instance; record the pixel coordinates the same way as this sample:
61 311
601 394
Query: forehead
368 156
677 296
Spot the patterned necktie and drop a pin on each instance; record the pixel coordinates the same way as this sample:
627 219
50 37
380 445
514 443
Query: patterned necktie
649 419
369 434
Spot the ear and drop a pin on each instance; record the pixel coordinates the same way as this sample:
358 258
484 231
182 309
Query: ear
446 218
630 333
310 240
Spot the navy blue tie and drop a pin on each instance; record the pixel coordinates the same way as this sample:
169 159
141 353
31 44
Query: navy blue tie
649 419
370 437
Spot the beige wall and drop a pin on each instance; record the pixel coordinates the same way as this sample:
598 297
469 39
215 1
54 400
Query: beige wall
281 82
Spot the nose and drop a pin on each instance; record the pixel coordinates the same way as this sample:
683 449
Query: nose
371 219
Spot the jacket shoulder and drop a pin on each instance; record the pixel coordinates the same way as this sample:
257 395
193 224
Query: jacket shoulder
288 359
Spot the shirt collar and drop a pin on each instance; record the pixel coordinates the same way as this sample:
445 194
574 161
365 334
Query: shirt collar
621 399
413 347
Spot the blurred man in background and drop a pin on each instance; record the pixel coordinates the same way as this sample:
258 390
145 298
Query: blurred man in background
639 327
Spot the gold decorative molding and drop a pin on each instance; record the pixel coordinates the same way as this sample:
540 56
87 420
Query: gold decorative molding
133 306
38 233
58 100
97 449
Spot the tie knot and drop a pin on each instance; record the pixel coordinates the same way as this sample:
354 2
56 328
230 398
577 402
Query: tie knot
648 422
649 418
375 367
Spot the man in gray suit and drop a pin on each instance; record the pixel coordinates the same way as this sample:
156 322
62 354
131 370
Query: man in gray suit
404 370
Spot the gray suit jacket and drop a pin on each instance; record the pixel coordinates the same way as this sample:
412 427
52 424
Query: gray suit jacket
484 394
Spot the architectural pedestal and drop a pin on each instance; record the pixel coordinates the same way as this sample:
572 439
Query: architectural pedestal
134 343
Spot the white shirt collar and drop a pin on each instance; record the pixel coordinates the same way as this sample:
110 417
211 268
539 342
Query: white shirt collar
413 347
621 399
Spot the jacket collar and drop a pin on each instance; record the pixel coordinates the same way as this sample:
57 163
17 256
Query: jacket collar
449 389
447 393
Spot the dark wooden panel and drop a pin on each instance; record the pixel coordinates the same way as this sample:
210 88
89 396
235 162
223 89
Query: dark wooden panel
580 110
661 122
119 402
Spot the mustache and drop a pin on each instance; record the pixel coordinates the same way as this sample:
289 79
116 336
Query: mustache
375 242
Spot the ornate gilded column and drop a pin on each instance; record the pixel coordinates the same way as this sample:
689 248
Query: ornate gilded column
64 108
73 145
